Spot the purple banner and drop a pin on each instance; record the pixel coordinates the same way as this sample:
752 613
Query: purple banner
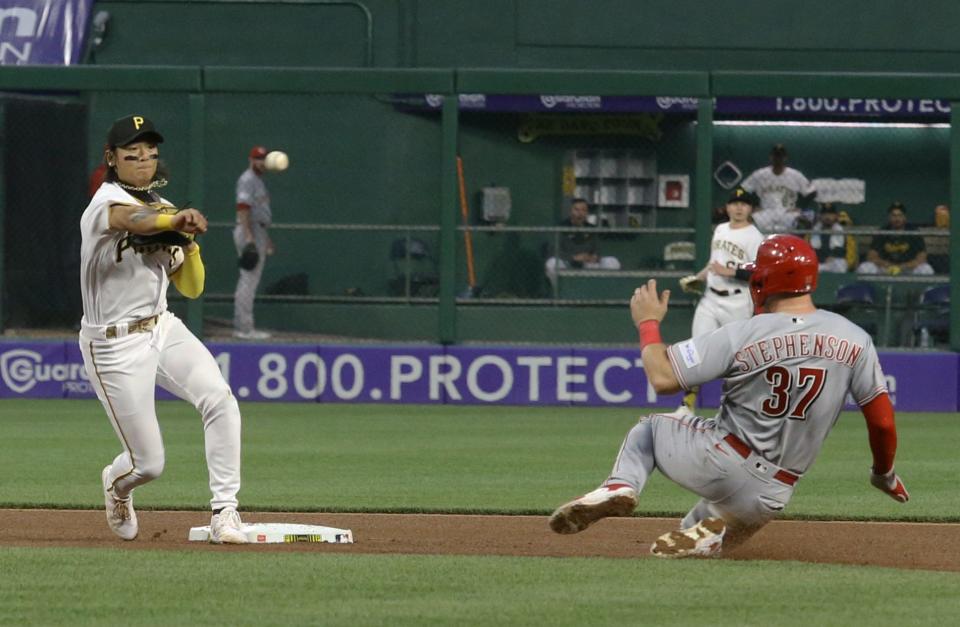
772 107
836 107
48 32
443 375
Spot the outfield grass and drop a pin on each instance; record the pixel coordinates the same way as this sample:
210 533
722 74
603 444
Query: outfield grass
430 458
86 587
434 458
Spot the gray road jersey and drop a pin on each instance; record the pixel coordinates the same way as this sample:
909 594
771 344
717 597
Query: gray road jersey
785 379
252 191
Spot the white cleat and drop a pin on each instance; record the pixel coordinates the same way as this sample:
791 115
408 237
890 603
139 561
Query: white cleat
705 539
226 528
617 499
121 518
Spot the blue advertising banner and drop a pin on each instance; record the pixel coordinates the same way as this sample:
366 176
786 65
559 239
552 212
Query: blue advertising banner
766 107
48 32
443 375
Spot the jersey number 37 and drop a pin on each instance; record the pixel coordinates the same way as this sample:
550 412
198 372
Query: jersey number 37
809 385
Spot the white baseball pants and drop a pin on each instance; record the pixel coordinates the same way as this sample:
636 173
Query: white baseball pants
714 311
125 370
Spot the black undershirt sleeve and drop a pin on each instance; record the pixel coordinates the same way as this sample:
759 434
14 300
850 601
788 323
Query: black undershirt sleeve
742 274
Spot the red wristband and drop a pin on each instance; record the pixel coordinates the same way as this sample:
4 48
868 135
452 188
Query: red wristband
649 333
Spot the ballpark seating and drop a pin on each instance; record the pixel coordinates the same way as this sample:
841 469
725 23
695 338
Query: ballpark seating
933 315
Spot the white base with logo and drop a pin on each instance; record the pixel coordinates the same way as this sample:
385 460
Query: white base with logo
282 533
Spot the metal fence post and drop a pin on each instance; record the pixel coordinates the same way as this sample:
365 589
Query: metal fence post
195 306
704 181
954 224
3 207
449 210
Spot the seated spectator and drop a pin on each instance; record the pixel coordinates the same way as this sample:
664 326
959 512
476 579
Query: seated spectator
830 241
896 253
937 239
853 252
578 250
941 217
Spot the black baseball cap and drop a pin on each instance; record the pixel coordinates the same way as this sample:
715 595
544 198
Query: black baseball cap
828 207
741 195
897 205
778 149
130 128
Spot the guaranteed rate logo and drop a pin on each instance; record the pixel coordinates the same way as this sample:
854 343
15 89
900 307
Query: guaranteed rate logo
552 101
23 26
685 104
22 369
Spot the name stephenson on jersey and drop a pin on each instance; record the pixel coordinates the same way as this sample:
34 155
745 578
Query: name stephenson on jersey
765 351
785 379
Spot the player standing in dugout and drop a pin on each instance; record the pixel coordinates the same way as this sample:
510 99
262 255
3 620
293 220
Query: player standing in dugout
134 243
786 372
722 284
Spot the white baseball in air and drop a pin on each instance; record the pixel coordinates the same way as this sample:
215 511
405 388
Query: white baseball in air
277 161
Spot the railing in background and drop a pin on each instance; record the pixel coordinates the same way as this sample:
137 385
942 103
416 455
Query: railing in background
197 82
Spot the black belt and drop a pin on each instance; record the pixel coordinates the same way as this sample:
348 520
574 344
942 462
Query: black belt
725 292
139 326
744 450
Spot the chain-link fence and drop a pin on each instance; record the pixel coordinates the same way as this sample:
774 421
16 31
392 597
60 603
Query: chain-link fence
869 191
553 207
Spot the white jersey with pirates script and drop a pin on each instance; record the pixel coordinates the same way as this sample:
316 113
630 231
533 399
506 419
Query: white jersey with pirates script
117 283
731 248
777 192
785 379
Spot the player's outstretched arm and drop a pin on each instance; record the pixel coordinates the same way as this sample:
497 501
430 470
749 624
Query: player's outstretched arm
143 220
648 309
882 430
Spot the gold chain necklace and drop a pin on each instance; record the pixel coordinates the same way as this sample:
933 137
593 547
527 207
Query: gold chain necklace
146 188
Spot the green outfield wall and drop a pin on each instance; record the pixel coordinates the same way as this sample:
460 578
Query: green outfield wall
358 158
816 35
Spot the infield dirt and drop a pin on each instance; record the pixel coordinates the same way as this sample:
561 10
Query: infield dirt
925 546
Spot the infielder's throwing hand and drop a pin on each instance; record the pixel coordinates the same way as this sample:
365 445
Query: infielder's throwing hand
647 305
190 221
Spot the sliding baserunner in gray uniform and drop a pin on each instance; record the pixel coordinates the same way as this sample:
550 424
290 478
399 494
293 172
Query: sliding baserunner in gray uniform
786 374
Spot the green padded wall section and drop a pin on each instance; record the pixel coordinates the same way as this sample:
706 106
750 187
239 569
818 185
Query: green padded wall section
818 35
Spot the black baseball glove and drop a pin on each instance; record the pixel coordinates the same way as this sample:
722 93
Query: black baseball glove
146 244
249 257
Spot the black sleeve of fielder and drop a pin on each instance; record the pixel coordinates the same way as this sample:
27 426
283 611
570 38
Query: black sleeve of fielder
742 274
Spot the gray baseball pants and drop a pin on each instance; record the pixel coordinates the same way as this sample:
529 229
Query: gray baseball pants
247 284
691 452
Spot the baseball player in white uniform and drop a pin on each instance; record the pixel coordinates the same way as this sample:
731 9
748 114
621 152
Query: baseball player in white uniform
726 296
779 188
786 373
130 342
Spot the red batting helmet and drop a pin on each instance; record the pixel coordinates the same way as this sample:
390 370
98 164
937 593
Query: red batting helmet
786 264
